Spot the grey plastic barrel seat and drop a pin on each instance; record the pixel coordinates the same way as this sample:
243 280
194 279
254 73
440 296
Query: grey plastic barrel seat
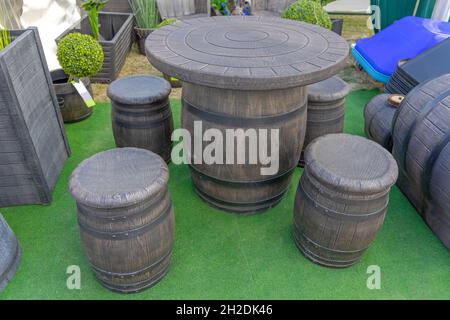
421 132
10 254
125 217
342 198
141 115
326 100
378 117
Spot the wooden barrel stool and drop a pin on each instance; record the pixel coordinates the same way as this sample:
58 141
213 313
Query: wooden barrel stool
141 115
342 198
378 117
125 216
10 254
326 101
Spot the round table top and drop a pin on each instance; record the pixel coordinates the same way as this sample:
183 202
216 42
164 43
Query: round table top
247 53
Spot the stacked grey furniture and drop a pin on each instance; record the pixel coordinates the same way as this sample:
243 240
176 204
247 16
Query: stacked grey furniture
428 65
378 117
326 109
421 138
10 254
141 115
33 144
342 198
125 216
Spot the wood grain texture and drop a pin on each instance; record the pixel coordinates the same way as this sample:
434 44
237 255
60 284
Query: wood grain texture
342 198
125 216
378 118
241 188
421 131
326 102
246 53
141 115
10 253
33 144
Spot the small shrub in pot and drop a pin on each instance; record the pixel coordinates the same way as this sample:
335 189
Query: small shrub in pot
308 11
80 57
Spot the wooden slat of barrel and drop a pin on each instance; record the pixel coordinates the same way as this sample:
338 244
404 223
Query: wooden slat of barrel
10 254
126 217
342 198
141 114
241 187
378 117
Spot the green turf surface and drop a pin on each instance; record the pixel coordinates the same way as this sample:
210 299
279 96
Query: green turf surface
219 255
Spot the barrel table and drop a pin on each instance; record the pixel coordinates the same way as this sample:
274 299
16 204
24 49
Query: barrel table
246 73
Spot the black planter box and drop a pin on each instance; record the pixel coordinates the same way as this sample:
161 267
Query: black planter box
337 25
116 38
33 143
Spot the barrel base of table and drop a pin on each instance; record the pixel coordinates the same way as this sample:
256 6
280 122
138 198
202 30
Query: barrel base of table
307 248
11 271
140 286
240 208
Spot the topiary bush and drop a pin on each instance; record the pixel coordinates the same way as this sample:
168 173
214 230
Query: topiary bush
308 11
80 55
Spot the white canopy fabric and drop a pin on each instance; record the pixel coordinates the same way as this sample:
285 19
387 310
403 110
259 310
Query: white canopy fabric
349 7
175 8
51 17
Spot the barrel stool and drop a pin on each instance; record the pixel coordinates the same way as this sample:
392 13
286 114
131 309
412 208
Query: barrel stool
378 117
125 217
10 253
141 115
342 198
326 101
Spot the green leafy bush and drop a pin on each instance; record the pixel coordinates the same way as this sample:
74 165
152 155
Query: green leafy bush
166 22
80 55
308 11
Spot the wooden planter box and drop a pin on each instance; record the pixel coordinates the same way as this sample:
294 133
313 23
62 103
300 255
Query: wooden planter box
33 144
122 6
116 30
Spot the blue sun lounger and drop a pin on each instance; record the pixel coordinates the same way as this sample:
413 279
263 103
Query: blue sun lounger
405 39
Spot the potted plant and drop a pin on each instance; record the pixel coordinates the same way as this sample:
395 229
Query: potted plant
115 31
309 11
33 144
147 19
80 57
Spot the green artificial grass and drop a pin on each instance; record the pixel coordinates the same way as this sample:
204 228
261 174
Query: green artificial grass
219 255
